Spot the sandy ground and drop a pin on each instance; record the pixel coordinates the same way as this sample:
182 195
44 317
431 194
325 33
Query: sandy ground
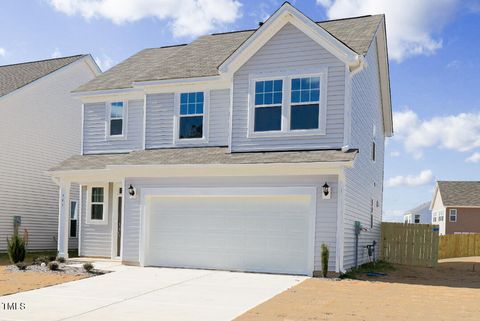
451 291
13 282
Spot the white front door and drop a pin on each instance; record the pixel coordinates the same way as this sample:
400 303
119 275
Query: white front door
260 230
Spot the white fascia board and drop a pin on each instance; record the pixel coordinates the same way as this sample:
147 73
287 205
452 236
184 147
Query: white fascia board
436 193
119 172
288 14
108 95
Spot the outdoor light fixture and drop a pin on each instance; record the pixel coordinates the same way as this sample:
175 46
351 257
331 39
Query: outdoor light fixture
132 191
326 191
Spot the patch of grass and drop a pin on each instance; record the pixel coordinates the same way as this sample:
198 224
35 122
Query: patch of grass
377 267
33 254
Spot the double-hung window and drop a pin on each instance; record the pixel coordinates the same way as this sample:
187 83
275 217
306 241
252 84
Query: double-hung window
305 103
417 219
453 215
441 215
73 218
97 205
117 119
268 105
191 115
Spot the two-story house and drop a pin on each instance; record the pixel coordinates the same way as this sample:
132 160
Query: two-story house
40 125
456 207
240 151
420 214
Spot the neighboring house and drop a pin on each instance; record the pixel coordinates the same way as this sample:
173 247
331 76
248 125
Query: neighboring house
456 207
419 215
40 125
241 151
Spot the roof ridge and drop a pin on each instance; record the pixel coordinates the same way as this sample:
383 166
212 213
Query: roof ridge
349 18
229 32
42 60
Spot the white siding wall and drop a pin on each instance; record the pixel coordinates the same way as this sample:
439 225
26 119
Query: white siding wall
40 126
360 180
96 240
160 120
95 124
326 209
290 49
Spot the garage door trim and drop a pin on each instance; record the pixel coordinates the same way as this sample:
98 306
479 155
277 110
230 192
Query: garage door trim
147 194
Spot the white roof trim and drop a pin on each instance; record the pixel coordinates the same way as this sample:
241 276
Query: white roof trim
288 14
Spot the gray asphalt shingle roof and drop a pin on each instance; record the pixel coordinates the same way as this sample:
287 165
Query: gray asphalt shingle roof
201 155
202 57
419 209
15 76
460 193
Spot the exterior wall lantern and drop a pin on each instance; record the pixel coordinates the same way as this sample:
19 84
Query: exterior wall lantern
326 191
132 191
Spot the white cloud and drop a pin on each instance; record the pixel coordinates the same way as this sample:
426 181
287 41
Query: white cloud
56 53
395 153
475 158
456 132
425 177
188 17
393 216
104 62
411 24
3 52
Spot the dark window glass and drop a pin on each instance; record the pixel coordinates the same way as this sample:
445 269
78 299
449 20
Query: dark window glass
374 151
268 118
73 228
191 127
116 127
97 212
97 194
304 117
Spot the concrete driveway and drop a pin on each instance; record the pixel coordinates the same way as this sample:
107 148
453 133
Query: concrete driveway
133 293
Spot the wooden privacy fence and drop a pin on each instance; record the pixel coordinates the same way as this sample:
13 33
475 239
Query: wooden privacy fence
459 245
410 244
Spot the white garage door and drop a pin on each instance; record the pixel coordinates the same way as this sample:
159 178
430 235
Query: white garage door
261 230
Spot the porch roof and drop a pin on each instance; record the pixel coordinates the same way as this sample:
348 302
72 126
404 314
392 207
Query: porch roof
202 155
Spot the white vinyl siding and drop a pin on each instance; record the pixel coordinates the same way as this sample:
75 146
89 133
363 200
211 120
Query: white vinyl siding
40 126
96 238
365 180
160 132
292 52
326 218
96 138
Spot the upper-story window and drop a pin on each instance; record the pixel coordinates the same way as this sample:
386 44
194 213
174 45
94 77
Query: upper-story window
268 105
116 126
305 103
191 115
290 105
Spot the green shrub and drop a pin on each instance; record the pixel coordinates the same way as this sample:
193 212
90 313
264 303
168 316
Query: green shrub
88 267
325 257
60 259
21 266
16 248
53 266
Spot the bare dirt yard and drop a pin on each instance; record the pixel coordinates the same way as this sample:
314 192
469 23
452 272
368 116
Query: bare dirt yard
450 291
13 282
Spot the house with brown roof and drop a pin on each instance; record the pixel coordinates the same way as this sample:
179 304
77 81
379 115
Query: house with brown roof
240 151
456 207
40 125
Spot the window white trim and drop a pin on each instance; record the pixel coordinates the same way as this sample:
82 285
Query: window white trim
108 108
450 215
286 77
176 122
70 219
89 219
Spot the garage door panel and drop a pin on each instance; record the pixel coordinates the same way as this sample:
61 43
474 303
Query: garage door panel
267 233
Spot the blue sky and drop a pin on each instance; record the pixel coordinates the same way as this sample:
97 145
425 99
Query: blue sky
434 65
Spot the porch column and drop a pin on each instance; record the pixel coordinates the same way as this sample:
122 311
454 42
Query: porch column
63 219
